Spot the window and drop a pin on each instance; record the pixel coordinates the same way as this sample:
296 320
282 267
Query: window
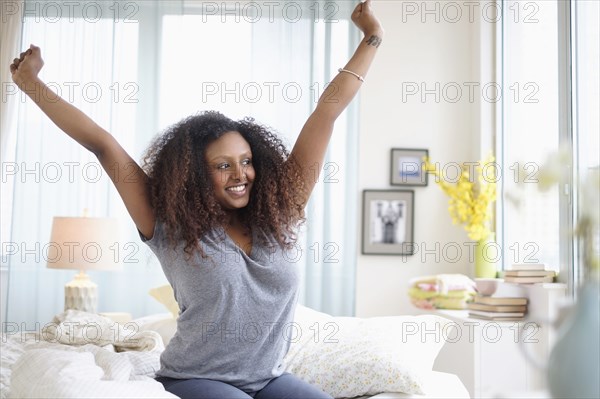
549 64
530 78
586 103
92 65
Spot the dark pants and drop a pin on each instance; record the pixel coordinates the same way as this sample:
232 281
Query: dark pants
286 386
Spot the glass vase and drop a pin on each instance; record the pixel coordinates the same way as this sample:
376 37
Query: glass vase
574 364
486 257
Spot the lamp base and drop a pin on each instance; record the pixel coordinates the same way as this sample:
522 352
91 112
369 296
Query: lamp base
81 294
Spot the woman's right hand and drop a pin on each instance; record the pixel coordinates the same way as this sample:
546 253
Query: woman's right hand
27 66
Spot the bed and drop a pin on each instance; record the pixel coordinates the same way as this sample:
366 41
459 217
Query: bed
383 358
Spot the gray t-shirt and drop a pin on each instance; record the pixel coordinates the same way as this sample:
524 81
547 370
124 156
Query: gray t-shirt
236 311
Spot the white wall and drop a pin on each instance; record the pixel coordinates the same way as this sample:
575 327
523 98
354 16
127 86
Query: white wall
429 52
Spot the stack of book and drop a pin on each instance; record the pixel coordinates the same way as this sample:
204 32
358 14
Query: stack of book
497 308
529 273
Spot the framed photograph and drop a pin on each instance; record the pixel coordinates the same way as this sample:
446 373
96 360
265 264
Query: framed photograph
388 222
407 167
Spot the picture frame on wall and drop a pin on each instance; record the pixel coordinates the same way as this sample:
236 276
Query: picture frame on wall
388 222
407 167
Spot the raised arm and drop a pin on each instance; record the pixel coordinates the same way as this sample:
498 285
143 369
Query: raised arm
134 187
311 145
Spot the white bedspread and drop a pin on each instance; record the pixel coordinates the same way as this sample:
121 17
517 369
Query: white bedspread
83 363
60 371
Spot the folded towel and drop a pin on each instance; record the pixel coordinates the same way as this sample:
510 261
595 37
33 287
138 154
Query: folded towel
418 294
442 291
443 283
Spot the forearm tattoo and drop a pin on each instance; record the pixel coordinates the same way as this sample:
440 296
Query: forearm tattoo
374 41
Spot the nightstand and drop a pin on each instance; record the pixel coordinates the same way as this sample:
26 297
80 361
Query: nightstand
487 356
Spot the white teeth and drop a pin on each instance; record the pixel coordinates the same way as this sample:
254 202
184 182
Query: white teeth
237 188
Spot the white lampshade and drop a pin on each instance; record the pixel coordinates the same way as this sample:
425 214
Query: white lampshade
83 243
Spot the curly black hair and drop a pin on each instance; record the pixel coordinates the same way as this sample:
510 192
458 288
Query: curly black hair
182 192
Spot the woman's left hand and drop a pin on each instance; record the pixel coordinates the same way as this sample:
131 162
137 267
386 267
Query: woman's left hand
364 18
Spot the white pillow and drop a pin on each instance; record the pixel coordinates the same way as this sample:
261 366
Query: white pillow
165 295
164 324
349 356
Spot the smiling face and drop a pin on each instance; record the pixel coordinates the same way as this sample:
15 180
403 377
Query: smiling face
230 161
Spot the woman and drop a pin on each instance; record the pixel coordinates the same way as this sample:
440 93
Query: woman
218 205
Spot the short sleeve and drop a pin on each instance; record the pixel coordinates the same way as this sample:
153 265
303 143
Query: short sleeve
152 242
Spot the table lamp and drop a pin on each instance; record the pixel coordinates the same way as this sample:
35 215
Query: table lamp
83 243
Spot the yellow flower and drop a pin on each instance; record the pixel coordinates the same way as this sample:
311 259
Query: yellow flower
470 196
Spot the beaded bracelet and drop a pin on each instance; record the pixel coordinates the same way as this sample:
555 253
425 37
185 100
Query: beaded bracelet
352 73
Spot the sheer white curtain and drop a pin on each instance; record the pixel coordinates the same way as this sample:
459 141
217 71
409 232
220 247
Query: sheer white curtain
10 42
92 63
137 70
